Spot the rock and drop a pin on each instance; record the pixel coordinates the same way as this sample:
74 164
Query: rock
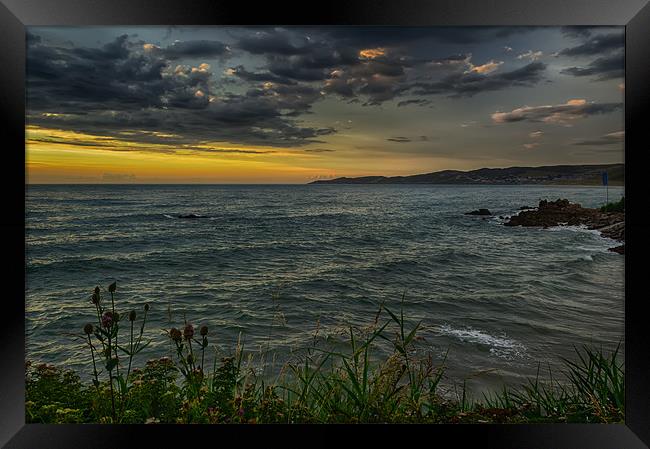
189 216
479 212
562 213
618 249
526 207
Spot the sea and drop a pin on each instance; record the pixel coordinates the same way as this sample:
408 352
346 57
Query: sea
277 269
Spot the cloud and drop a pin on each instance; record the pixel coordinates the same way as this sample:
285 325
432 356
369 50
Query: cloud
530 146
532 55
607 67
562 114
372 53
615 138
507 49
488 67
196 49
599 44
577 31
390 36
399 139
245 75
415 101
536 134
122 86
469 84
274 41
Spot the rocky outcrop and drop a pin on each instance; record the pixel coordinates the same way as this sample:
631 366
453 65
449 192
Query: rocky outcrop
190 216
479 212
562 213
618 249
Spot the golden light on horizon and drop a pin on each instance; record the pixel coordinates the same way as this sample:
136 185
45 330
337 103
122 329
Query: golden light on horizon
55 155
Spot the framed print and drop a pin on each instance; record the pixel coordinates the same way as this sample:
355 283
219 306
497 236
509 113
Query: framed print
369 219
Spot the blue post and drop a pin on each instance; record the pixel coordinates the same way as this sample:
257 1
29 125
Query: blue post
606 187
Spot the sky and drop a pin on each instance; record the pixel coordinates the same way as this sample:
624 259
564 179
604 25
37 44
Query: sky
297 104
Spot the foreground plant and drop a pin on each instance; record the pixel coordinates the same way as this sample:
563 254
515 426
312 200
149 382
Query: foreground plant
320 385
106 348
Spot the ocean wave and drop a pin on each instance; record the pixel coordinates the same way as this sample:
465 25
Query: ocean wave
500 346
573 228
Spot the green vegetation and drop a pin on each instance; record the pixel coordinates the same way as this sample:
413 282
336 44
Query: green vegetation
618 206
325 386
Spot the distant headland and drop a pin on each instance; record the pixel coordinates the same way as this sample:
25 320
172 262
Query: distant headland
551 175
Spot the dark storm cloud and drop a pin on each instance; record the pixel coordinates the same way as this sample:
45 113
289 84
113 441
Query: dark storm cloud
196 49
370 66
577 31
241 72
558 114
596 45
604 68
125 86
467 84
390 36
274 41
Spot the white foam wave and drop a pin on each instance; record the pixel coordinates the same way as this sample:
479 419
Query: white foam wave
167 216
500 346
573 228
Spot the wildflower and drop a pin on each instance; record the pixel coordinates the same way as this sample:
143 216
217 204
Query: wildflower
112 287
97 290
132 315
95 298
88 329
204 331
240 412
107 319
175 334
146 307
188 331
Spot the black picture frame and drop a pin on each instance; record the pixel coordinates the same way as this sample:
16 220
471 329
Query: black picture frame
16 14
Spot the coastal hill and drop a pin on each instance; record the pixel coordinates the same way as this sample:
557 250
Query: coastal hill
554 174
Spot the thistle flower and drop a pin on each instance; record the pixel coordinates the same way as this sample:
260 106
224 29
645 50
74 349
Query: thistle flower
188 331
95 298
203 331
107 319
97 290
132 315
175 334
88 329
146 307
112 287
